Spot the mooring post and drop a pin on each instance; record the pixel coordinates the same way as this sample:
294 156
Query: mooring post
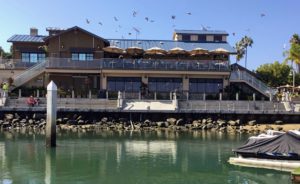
237 97
38 93
20 93
51 114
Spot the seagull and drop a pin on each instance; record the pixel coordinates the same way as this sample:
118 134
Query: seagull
136 30
147 19
262 15
134 13
188 13
152 21
233 34
204 28
87 21
120 26
129 33
173 17
116 19
100 23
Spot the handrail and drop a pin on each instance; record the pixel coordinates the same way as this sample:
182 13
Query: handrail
252 80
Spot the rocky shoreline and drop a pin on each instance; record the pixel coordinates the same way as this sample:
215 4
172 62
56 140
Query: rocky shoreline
75 122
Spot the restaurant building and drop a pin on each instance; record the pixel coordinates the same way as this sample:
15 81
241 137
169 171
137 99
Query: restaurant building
193 63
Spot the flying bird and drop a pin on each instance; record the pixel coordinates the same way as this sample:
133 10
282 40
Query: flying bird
173 17
262 15
233 34
134 13
87 21
147 19
188 13
116 19
136 30
152 21
100 23
129 33
120 26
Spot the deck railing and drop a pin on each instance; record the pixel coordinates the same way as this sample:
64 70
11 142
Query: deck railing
139 64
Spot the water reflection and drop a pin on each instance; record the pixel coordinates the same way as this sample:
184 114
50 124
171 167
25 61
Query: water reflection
127 157
151 148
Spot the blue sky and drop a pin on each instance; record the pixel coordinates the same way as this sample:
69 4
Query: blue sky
242 17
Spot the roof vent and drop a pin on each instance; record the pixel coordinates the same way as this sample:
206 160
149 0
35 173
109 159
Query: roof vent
33 31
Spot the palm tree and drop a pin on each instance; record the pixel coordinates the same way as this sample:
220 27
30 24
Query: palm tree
242 48
293 54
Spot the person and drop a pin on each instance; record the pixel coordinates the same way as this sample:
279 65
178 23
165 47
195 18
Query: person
31 101
5 88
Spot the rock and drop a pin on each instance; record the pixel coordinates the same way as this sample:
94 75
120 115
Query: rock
17 116
79 118
196 123
6 124
189 126
252 122
237 122
80 121
171 121
15 121
38 116
72 122
104 119
30 121
9 116
147 122
59 120
161 124
1 122
268 127
232 123
209 126
221 122
65 120
23 121
203 121
222 129
279 128
278 122
209 120
180 122
42 124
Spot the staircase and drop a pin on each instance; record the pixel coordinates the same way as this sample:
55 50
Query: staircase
29 74
246 77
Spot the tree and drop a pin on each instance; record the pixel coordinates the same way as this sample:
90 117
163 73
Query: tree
293 54
242 48
5 55
275 74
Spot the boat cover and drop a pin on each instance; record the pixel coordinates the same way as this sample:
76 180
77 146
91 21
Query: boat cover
284 144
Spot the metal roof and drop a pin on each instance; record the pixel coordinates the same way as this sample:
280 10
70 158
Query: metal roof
214 32
169 44
26 38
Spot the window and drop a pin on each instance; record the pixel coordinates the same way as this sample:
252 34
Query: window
33 57
165 84
209 38
128 84
202 38
186 37
209 86
194 37
82 56
218 38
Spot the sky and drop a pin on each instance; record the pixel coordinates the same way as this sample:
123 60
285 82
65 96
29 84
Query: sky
270 23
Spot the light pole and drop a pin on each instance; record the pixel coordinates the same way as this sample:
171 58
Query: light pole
293 75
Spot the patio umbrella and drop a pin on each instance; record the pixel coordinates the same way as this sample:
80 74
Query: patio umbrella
134 50
198 51
156 51
113 49
220 51
177 50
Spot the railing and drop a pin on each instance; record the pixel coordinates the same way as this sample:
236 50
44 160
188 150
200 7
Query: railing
29 74
253 81
139 64
11 64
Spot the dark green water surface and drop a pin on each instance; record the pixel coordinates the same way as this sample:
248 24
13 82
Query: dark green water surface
127 158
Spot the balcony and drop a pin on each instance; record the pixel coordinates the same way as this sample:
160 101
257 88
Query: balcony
126 64
139 64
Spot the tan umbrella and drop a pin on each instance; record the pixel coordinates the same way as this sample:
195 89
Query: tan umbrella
156 51
220 51
198 51
177 50
134 50
114 49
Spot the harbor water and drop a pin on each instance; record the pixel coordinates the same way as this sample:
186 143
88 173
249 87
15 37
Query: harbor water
127 157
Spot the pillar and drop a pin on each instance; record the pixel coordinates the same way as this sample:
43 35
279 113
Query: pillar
20 93
236 96
253 96
51 115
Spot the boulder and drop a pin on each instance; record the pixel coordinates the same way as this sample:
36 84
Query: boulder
104 119
171 121
209 126
221 122
232 123
196 123
252 122
9 116
38 116
278 122
180 122
161 124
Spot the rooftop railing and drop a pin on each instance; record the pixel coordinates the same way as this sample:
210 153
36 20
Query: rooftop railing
140 64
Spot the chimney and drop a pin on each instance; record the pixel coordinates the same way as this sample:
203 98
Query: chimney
33 31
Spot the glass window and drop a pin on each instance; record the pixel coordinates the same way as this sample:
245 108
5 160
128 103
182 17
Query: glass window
202 38
128 84
218 38
74 56
82 57
33 57
89 57
205 85
165 84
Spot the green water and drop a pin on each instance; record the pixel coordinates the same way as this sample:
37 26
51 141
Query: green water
124 157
